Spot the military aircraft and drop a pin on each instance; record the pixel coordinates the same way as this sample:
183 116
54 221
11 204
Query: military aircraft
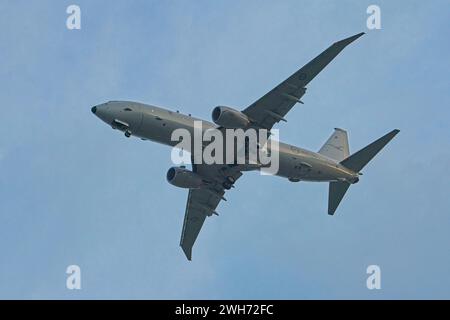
207 183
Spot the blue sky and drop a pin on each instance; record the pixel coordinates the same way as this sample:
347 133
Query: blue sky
75 192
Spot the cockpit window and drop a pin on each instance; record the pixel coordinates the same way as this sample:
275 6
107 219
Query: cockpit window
127 109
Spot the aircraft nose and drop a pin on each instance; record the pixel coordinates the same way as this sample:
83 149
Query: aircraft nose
94 110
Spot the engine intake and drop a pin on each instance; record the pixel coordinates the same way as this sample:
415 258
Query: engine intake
184 178
229 118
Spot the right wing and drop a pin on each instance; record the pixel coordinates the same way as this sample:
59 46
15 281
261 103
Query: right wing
202 203
274 105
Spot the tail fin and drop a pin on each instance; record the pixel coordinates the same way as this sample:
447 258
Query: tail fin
358 160
355 162
336 146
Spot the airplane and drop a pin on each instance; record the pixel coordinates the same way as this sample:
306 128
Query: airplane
207 183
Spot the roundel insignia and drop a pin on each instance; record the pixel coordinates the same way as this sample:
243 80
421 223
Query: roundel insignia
302 76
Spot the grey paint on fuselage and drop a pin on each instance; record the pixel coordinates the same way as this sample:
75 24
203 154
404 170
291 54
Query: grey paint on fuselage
157 124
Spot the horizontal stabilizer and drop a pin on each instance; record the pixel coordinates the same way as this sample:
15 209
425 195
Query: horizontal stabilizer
358 160
336 192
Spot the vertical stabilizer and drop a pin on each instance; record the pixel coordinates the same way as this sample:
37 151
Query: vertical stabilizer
355 162
336 146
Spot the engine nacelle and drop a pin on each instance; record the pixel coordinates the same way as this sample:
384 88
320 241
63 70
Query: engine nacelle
184 178
229 118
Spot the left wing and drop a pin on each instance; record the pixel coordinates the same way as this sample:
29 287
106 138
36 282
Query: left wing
203 202
273 106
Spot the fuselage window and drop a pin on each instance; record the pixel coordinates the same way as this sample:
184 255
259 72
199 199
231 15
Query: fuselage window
127 109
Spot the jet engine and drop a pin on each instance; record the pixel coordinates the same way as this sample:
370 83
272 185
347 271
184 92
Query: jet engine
229 118
184 178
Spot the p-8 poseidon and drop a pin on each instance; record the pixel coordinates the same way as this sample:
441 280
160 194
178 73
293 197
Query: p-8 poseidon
207 183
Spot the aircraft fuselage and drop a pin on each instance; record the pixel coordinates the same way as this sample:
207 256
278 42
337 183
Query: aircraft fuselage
157 124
